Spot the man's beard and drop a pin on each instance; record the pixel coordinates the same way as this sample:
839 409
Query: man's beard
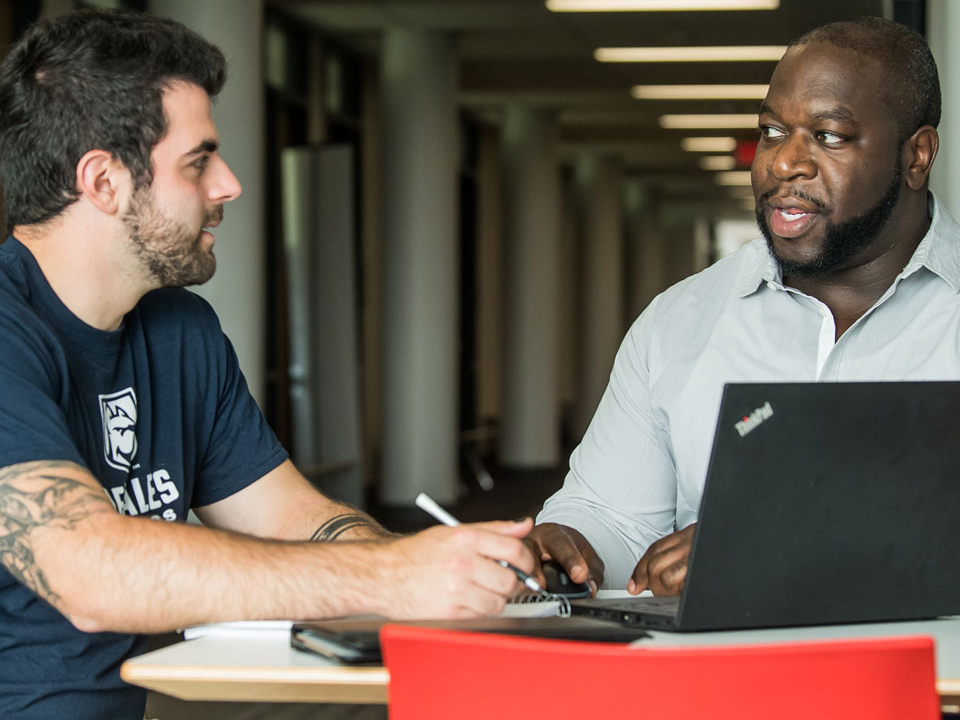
843 240
169 250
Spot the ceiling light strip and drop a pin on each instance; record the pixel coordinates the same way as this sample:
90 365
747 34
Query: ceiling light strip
708 144
704 53
733 178
708 122
658 5
699 92
718 162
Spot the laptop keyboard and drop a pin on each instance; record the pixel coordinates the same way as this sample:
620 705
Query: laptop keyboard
658 605
628 610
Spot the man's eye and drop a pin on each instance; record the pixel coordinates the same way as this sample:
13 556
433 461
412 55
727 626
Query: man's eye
829 138
768 132
201 163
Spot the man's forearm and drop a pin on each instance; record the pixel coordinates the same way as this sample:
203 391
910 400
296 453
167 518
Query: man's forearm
350 525
138 575
61 537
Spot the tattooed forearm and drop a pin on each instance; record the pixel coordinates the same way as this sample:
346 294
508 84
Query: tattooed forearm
34 496
339 524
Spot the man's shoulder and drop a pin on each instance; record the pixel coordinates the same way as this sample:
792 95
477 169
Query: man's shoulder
734 274
18 316
175 300
13 281
177 320
172 307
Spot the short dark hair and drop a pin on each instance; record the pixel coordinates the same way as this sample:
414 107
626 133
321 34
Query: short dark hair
88 80
914 88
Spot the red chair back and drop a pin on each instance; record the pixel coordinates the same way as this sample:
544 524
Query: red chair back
472 676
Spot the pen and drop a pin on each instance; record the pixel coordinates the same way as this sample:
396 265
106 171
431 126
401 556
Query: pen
425 502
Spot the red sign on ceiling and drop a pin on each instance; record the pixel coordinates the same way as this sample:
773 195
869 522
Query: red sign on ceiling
744 152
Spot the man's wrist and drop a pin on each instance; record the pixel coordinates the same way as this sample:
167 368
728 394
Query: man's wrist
349 526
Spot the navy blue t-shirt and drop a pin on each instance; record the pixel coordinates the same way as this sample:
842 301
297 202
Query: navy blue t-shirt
160 414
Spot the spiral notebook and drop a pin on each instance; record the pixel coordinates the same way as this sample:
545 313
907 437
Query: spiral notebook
559 590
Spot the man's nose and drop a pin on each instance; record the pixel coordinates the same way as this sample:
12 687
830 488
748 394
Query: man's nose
225 186
793 159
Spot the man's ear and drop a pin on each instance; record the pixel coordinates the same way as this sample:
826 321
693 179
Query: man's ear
920 150
103 180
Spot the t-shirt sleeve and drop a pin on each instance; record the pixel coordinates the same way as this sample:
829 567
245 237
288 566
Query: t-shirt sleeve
241 447
32 421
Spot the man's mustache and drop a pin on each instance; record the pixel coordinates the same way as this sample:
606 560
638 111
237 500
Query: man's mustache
797 193
214 216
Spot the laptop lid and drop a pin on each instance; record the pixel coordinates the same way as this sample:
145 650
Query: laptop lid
827 503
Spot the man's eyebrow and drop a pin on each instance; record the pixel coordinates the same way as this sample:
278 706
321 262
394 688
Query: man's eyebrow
207 146
839 114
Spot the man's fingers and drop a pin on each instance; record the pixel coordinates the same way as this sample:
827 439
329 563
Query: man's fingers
595 568
663 567
639 580
513 528
501 547
553 543
491 586
495 578
569 556
674 576
456 572
566 546
666 572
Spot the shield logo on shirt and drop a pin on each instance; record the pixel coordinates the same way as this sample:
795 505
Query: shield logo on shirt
119 413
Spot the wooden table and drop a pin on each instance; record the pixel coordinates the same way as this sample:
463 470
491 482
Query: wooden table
262 667
258 666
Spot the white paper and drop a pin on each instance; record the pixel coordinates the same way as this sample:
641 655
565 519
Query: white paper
240 628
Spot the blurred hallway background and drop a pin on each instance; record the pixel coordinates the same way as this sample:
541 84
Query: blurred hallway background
453 210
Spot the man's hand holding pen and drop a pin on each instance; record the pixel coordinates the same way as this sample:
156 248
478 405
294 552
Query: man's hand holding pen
446 572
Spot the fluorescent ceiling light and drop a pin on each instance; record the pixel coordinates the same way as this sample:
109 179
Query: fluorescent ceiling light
718 162
689 122
723 53
699 92
733 178
650 5
708 144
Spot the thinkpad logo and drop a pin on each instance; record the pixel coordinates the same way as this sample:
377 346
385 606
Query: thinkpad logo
119 413
751 421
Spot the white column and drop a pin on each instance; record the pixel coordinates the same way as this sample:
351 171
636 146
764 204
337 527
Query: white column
571 305
600 181
635 211
489 300
238 290
943 29
530 431
419 173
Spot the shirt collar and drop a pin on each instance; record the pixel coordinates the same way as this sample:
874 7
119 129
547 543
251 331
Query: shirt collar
758 269
938 251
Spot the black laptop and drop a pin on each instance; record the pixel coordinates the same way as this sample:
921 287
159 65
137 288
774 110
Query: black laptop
824 503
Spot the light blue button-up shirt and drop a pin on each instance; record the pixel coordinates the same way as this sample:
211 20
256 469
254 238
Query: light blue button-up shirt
639 472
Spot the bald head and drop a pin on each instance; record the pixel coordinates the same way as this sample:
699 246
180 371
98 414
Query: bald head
913 85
